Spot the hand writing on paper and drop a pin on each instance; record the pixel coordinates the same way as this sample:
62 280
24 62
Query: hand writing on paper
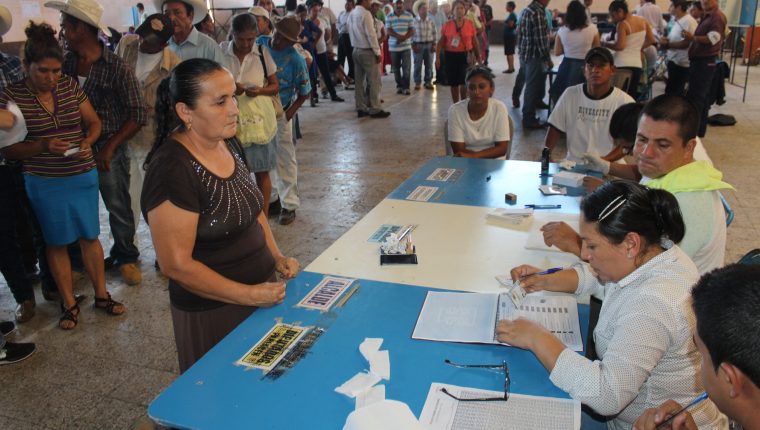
530 284
561 235
520 332
651 418
287 266
267 294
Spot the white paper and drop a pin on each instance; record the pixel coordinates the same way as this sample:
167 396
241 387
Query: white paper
71 151
510 214
380 364
370 346
384 415
472 317
372 395
422 193
520 412
358 384
568 179
17 133
445 175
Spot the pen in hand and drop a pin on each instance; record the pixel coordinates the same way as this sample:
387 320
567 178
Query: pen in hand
545 272
666 424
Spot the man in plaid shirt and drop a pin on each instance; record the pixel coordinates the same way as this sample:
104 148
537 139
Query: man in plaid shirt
533 34
114 92
424 39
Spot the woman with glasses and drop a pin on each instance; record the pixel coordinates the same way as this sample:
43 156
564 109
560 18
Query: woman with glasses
478 126
644 334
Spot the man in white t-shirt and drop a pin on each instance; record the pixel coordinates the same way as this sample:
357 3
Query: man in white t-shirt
584 111
678 47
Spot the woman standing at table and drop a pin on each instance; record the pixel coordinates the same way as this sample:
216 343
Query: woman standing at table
205 213
458 43
478 126
644 333
574 39
59 169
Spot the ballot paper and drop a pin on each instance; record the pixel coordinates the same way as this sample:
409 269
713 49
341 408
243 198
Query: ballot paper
271 349
520 412
472 317
326 293
445 175
422 193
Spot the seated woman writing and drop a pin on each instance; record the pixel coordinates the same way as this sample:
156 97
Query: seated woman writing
478 126
644 334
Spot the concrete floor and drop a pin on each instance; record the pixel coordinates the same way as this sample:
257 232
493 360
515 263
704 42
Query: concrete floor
104 374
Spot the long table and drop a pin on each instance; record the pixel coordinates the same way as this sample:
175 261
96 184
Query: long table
458 250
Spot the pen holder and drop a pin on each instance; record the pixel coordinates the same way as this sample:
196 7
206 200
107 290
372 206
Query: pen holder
386 259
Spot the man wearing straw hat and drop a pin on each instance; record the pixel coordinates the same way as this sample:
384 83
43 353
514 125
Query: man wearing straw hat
115 94
295 88
187 41
148 54
361 29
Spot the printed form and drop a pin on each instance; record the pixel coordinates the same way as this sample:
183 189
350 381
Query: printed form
472 317
520 412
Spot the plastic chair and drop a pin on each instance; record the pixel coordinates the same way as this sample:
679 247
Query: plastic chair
752 257
727 208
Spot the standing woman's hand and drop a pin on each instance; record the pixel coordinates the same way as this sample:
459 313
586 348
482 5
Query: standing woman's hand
288 267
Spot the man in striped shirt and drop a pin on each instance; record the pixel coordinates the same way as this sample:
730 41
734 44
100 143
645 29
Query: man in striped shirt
114 92
400 28
425 37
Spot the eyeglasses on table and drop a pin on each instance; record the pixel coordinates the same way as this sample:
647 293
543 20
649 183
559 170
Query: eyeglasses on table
503 366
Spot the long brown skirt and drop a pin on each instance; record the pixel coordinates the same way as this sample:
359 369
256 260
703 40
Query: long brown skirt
197 332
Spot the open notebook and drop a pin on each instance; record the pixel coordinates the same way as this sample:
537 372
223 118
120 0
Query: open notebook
472 317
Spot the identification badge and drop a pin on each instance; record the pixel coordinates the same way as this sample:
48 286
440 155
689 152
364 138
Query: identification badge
455 42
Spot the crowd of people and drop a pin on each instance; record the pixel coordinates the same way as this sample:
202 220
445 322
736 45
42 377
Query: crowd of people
202 135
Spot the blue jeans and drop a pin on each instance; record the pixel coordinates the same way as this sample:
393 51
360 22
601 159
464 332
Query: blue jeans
424 53
535 88
114 189
401 62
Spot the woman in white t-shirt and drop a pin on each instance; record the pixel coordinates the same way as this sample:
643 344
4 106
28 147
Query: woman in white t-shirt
247 62
574 40
478 126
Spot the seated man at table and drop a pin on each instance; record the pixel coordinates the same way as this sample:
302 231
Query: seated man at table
664 152
725 303
583 112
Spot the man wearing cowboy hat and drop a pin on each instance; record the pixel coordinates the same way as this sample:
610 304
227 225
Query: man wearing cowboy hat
10 65
187 41
148 54
295 87
112 88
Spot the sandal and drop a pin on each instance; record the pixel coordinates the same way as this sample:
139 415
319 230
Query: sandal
108 304
71 314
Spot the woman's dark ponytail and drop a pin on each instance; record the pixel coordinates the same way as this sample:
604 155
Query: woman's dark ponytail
621 207
669 219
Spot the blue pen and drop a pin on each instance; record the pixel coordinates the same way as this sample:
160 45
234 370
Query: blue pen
665 424
545 272
544 206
